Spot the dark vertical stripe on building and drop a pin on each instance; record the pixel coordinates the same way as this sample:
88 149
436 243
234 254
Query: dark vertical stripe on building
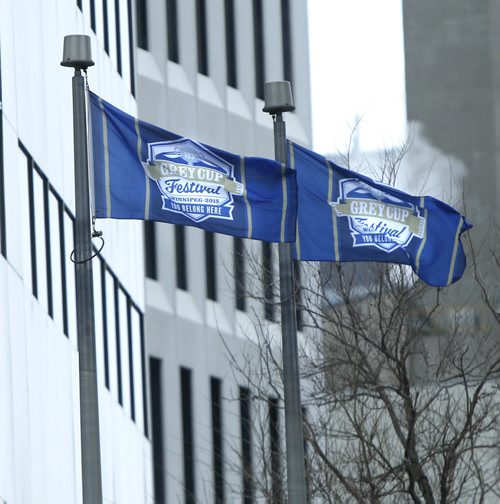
155 380
239 274
142 24
105 22
143 376
210 266
131 46
118 342
231 62
3 234
130 359
31 206
246 446
275 449
172 34
201 31
298 295
268 280
180 257
258 31
62 253
92 15
187 437
286 33
150 252
79 4
118 37
104 301
217 440
48 252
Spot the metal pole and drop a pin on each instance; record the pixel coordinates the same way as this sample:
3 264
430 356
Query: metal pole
278 99
77 54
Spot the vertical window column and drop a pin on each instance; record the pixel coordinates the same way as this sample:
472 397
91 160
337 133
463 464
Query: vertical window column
286 34
258 30
210 266
131 46
105 22
298 295
201 30
217 439
3 241
187 436
157 429
172 33
275 449
142 24
180 257
239 273
150 249
268 280
118 37
232 73
246 446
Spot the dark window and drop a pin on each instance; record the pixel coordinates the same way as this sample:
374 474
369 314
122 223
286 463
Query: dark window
105 324
307 462
274 437
268 280
187 436
118 342
239 273
105 21
286 34
258 34
92 15
142 24
79 4
180 257
232 74
131 46
150 249
157 429
118 37
210 266
3 240
201 30
31 207
246 446
217 439
62 254
298 295
143 361
172 34
130 358
48 255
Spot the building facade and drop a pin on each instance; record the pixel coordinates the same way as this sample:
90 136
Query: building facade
201 70
175 420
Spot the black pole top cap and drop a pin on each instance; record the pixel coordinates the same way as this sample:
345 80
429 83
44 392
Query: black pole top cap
77 52
278 97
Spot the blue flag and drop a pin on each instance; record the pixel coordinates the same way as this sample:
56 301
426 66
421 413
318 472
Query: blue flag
144 172
345 216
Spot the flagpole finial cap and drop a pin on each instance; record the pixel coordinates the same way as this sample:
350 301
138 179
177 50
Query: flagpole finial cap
278 97
77 52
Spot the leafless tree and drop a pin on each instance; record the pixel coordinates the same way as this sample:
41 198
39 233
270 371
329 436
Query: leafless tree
400 381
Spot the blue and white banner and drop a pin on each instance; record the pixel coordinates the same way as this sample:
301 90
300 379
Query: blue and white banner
141 171
345 216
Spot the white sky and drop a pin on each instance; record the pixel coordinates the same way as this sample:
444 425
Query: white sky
357 71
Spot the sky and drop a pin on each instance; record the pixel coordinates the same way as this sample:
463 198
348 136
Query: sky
357 73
